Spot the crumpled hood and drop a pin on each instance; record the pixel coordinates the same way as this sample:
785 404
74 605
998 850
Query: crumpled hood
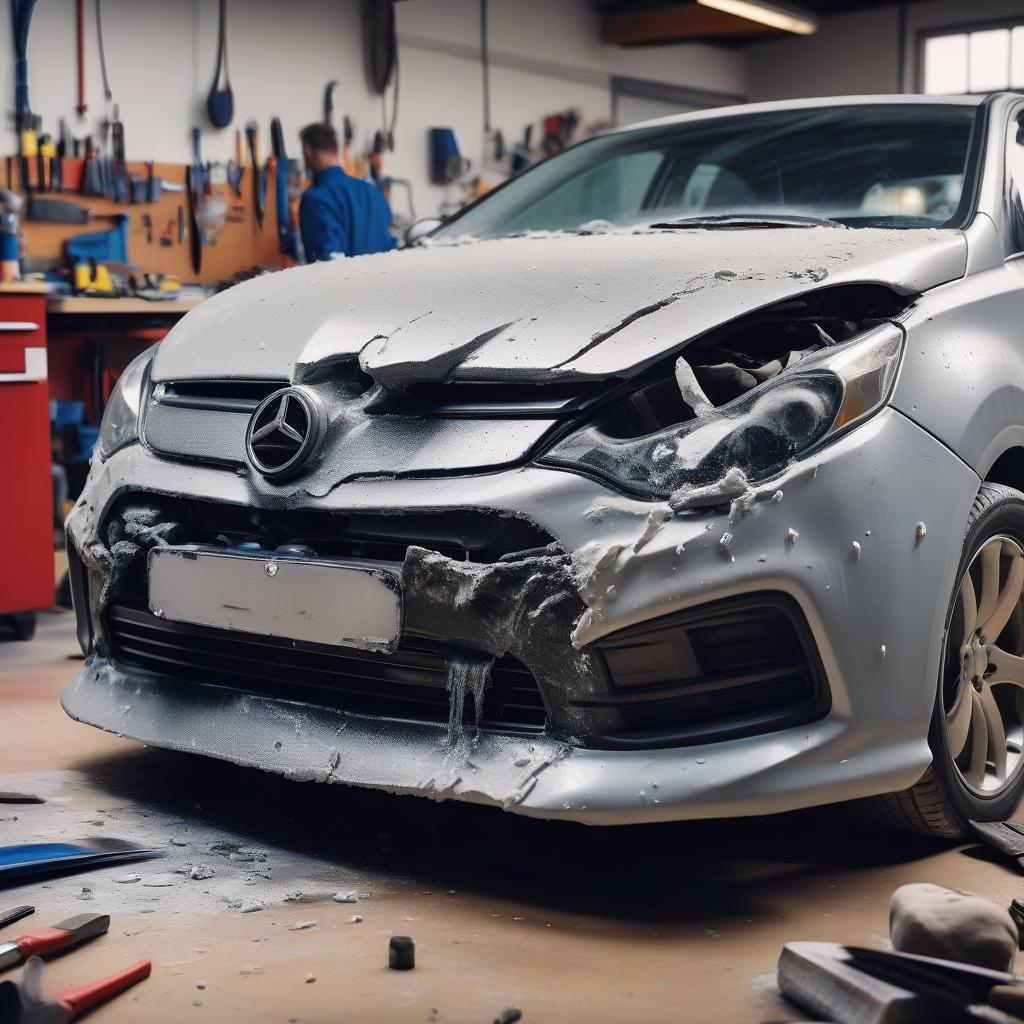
534 308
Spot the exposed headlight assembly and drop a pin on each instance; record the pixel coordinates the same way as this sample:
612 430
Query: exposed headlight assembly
793 414
120 425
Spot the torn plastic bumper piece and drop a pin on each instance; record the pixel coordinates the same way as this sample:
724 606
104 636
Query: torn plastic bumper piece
535 776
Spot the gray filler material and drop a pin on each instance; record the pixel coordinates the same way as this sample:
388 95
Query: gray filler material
317 601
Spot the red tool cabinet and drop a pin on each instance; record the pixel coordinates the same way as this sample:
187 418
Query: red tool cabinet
26 490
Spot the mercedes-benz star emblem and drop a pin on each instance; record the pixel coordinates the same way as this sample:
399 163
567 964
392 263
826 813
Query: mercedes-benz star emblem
283 433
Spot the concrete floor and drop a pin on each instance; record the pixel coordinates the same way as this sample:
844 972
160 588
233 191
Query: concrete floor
680 923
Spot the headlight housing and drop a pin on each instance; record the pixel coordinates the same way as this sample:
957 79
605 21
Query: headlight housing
120 426
793 414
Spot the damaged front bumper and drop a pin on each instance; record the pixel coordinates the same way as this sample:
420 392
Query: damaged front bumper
623 740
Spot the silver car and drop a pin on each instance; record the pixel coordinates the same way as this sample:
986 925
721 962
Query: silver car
679 477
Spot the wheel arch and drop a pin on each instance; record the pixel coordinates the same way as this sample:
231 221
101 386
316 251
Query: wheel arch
1007 469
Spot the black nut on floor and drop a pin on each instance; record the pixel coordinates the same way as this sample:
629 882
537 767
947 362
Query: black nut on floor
401 953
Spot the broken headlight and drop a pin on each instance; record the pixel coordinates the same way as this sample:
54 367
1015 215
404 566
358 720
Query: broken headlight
120 425
761 432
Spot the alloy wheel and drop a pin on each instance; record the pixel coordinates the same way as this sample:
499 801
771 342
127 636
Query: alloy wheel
983 692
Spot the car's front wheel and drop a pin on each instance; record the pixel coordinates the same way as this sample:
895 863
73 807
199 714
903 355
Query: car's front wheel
977 731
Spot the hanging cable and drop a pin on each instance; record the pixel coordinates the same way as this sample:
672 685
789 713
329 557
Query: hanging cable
485 65
103 57
21 17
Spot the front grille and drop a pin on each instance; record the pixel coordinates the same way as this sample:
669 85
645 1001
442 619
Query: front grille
732 668
225 395
463 534
408 685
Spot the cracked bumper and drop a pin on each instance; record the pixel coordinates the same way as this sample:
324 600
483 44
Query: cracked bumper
873 487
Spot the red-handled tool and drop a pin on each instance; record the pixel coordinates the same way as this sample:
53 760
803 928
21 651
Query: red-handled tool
25 1003
47 941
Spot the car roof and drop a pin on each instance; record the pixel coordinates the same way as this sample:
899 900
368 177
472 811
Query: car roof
815 103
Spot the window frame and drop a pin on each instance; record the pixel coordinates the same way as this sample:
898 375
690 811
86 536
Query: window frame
1015 230
966 28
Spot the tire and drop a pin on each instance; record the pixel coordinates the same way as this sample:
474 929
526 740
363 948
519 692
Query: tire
944 799
24 624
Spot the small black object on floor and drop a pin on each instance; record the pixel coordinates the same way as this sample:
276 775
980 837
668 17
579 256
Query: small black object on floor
401 953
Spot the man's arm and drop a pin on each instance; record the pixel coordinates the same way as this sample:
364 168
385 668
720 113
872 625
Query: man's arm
323 234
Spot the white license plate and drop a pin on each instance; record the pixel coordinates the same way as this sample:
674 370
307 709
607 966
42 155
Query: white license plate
308 599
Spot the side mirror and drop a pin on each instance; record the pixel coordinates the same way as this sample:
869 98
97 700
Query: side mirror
419 229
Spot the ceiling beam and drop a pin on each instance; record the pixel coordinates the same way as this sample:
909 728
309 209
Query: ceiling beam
677 23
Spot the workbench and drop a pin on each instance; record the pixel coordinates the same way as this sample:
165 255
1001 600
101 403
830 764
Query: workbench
89 335
83 305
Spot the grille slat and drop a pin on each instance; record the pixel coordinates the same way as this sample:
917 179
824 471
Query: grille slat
408 685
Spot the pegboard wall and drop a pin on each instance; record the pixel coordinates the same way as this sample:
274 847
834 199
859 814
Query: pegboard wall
239 245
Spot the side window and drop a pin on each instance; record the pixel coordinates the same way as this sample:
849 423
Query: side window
1015 183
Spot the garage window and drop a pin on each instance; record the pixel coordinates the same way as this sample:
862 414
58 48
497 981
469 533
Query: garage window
985 60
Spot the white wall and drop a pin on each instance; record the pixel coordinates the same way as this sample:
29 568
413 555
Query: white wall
547 56
859 53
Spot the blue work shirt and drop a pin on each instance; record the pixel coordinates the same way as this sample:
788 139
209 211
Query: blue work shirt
341 214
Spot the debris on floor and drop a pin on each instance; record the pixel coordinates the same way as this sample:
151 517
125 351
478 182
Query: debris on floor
204 869
931 920
953 954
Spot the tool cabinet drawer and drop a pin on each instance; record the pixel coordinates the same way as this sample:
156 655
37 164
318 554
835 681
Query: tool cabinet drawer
22 337
22 321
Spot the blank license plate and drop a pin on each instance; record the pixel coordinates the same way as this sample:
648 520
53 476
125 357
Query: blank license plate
312 600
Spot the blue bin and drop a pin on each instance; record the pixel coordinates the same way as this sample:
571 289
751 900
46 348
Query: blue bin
87 438
64 413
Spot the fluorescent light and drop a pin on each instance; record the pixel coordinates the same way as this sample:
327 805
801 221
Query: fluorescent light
787 19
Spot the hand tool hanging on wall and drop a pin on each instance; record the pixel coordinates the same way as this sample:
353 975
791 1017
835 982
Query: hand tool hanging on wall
26 1004
236 167
195 179
282 171
349 164
119 164
107 94
220 104
41 185
259 181
80 26
329 102
59 211
29 148
58 939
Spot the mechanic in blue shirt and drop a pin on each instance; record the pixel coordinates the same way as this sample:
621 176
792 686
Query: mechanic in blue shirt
339 214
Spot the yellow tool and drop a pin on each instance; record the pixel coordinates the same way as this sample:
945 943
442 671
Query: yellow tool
93 278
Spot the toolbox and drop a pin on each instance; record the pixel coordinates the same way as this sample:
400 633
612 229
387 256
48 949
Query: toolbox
26 508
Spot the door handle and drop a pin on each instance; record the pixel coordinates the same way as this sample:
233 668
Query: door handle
19 326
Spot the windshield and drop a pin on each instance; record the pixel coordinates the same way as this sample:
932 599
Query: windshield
880 165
